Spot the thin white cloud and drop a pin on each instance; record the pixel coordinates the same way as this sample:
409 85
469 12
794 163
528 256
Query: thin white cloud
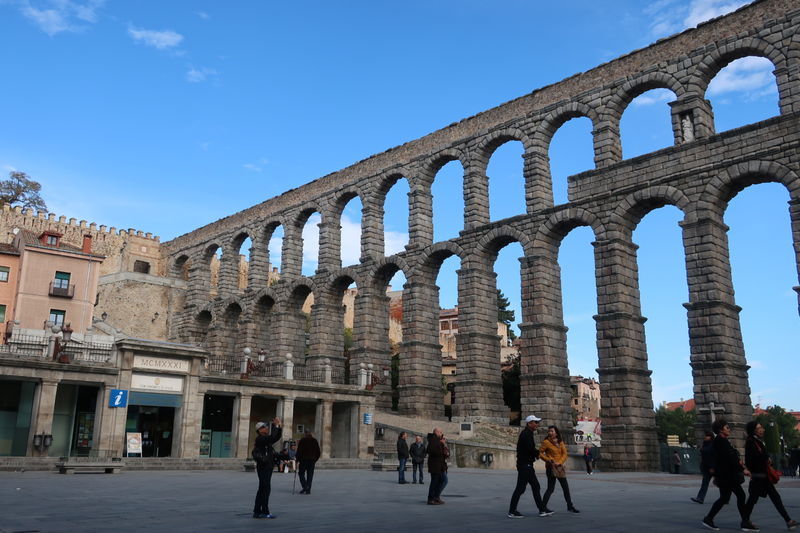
161 40
204 146
203 15
9 168
656 96
351 241
749 74
394 242
671 16
253 168
56 16
197 75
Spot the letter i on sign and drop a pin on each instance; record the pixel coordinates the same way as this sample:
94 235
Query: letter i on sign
118 399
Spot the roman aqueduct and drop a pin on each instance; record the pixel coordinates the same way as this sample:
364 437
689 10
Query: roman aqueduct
699 175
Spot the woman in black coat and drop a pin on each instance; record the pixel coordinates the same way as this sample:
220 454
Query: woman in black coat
728 472
757 460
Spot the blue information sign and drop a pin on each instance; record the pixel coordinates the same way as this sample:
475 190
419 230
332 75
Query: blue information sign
119 398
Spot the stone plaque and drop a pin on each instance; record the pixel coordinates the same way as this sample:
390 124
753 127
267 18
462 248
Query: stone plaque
161 364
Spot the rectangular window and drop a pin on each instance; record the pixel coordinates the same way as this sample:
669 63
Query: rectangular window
142 267
52 240
61 281
2 313
4 273
57 316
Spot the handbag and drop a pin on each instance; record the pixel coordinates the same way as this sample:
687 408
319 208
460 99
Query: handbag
773 475
559 470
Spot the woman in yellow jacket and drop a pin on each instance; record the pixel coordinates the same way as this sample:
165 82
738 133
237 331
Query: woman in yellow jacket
553 452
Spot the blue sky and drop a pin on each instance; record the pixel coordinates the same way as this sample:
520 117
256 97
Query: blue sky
165 116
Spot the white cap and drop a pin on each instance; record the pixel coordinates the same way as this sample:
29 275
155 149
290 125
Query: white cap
261 425
532 418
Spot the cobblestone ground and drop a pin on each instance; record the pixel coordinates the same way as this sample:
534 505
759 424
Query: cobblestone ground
356 500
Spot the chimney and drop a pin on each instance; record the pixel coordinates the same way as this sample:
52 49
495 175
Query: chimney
87 244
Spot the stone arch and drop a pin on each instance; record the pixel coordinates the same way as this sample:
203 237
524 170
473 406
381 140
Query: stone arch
723 187
181 266
553 120
497 138
435 163
617 104
431 259
490 244
202 325
301 285
633 208
554 229
722 56
332 283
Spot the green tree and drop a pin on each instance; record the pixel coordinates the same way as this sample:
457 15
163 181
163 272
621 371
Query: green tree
511 387
677 422
20 190
504 314
784 424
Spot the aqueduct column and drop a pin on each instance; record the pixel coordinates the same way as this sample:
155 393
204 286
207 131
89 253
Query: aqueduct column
476 193
330 255
545 388
228 280
479 390
327 339
371 334
538 182
420 217
692 118
794 214
629 432
420 386
371 232
718 361
258 267
292 251
607 144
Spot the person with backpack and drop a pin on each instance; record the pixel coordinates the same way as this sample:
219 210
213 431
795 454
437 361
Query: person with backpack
264 456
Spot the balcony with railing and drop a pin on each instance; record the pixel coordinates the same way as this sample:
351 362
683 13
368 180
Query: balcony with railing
38 345
62 290
245 367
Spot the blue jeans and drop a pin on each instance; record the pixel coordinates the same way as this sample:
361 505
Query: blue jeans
701 494
414 468
401 470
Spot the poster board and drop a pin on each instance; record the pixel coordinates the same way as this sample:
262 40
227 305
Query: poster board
133 443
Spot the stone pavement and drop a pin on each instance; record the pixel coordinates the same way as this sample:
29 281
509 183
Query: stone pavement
356 500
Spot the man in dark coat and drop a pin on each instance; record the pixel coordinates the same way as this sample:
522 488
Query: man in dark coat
728 472
437 466
705 466
417 452
527 453
402 457
308 454
264 442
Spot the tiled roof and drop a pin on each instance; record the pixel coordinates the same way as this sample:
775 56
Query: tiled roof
30 238
686 405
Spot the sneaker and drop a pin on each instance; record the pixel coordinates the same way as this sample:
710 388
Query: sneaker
268 515
709 524
258 515
439 501
572 509
695 500
545 513
791 524
515 514
749 526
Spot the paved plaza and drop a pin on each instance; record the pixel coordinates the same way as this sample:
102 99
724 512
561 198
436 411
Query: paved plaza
355 500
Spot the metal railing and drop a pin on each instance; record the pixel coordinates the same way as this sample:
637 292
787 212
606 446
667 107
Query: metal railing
63 292
35 347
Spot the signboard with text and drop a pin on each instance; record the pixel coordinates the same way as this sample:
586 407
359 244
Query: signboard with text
133 443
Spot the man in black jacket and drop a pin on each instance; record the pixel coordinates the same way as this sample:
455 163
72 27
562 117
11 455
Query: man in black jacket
417 452
264 442
527 453
402 457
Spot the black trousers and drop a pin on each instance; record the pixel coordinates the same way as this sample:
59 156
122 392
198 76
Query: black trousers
551 485
264 486
526 476
725 492
756 489
306 474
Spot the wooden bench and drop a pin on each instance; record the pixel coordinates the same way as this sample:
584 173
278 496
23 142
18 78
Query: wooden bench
70 465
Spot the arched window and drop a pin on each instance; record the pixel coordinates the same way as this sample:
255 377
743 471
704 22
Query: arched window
447 190
350 223
646 124
571 151
743 92
310 244
506 181
395 218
